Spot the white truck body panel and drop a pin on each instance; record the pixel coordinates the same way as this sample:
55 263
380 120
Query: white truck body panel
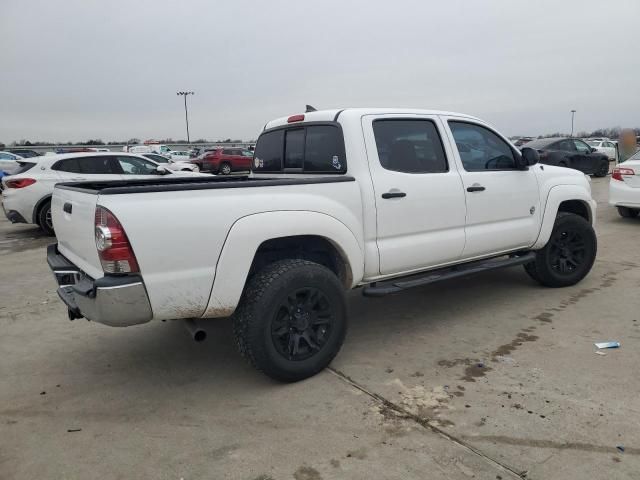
219 230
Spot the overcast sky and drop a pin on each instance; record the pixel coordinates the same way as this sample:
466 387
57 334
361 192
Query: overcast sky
73 70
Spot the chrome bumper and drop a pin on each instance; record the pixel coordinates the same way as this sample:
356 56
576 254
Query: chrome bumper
118 301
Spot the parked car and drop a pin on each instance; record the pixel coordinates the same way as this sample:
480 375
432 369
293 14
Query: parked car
624 187
604 146
225 160
26 195
183 166
382 199
24 153
571 153
179 155
9 162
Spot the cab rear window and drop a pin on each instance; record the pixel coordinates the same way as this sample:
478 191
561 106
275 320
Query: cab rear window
308 149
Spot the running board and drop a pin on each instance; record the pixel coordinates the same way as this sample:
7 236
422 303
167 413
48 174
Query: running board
379 289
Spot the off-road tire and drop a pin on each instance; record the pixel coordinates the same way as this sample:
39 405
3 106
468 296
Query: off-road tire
44 218
261 304
542 268
627 212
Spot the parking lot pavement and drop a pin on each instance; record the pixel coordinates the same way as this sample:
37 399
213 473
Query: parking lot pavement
489 377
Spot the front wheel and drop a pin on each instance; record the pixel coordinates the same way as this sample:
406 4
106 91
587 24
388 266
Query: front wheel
568 255
292 319
44 218
627 212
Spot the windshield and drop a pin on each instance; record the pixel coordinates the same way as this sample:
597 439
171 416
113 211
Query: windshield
635 156
593 143
157 158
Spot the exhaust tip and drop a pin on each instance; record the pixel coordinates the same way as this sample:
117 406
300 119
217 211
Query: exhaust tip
196 332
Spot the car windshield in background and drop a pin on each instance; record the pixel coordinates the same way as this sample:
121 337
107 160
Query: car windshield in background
593 143
157 158
540 143
635 156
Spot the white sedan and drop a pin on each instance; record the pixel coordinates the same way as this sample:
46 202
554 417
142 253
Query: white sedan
183 166
624 187
605 146
26 196
9 162
179 156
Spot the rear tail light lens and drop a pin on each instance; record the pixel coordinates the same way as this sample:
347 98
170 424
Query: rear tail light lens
19 182
618 172
114 249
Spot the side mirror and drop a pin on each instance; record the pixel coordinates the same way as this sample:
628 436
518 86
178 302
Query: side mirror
161 170
530 156
593 149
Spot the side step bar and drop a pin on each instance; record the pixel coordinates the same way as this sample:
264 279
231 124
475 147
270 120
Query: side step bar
379 289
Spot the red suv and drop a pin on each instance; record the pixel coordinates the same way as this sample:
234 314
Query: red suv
225 160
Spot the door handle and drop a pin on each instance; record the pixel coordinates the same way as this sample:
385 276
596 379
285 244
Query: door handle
475 188
67 208
394 195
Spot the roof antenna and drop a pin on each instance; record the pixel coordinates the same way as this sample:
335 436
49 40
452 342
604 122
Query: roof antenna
310 109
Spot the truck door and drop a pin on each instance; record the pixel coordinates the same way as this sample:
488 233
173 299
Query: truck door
419 199
503 202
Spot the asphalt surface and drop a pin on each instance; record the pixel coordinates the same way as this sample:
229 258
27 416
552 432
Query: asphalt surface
489 377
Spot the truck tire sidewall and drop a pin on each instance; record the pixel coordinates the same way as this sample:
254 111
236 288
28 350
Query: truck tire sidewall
566 222
263 298
43 213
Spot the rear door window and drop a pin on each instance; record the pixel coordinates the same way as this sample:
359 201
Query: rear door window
69 165
102 165
409 146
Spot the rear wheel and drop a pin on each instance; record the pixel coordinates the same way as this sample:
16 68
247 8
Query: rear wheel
44 218
603 169
292 319
568 255
225 168
627 212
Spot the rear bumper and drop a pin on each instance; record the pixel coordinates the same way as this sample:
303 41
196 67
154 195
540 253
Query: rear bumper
622 195
118 301
14 216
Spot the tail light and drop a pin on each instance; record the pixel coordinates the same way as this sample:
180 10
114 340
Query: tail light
114 249
618 172
19 182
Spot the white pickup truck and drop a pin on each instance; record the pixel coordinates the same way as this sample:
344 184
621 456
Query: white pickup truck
382 199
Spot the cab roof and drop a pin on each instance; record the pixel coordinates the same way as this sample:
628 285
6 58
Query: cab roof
334 114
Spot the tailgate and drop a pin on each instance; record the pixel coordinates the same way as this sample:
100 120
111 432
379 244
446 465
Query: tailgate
73 214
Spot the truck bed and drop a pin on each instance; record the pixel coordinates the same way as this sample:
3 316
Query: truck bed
116 187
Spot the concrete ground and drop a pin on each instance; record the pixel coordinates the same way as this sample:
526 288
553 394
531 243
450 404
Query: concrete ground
490 377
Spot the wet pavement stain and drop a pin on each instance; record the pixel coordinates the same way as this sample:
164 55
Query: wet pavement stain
307 473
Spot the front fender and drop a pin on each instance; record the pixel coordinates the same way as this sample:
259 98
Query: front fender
557 195
248 233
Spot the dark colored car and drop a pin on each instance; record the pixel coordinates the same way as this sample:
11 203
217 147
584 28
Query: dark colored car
225 160
24 153
571 153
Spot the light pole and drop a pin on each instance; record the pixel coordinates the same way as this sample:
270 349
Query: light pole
186 115
573 112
